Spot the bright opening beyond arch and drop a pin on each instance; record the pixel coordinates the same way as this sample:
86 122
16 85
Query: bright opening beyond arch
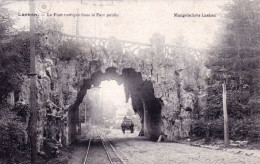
114 94
107 105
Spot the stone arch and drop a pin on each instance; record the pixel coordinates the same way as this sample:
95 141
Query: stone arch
144 102
177 78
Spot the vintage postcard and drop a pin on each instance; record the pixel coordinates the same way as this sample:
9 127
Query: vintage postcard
129 81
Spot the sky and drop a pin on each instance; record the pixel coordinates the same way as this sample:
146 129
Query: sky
136 20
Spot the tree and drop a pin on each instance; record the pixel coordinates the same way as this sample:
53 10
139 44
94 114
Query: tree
237 49
238 46
14 62
14 55
5 22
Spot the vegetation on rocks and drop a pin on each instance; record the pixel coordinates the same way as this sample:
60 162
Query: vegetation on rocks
13 146
67 52
14 68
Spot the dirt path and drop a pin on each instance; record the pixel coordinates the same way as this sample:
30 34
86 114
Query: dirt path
139 150
78 152
142 151
97 153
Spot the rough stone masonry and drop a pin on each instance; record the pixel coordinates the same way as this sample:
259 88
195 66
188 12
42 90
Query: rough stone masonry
177 80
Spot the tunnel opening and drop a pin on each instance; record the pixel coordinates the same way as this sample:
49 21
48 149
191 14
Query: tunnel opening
138 92
105 105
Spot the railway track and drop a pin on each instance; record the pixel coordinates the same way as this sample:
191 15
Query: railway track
100 150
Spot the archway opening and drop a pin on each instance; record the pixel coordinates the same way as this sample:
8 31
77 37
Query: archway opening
106 106
139 97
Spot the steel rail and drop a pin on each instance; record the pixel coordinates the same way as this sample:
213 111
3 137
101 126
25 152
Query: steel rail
106 151
86 156
114 150
104 140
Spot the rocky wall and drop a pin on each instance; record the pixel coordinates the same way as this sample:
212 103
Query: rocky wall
178 81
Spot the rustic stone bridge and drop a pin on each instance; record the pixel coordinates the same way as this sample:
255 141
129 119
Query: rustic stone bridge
167 83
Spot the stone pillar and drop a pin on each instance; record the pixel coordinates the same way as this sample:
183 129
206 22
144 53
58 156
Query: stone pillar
145 121
158 44
141 133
